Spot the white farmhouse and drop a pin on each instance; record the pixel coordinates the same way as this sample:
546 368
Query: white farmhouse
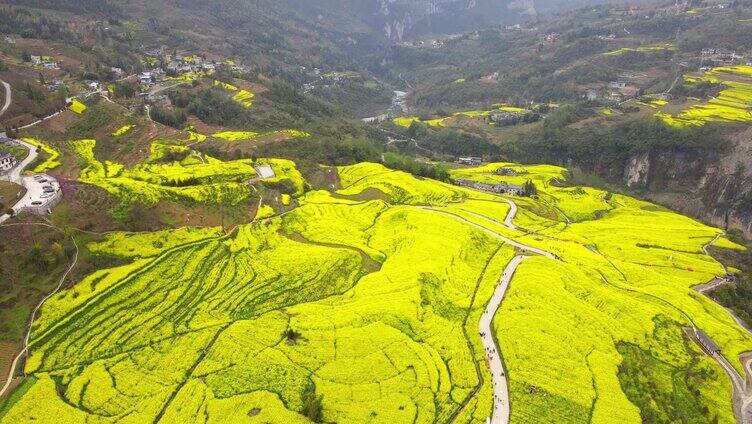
7 161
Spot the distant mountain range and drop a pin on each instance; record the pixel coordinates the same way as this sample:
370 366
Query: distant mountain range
399 20
364 23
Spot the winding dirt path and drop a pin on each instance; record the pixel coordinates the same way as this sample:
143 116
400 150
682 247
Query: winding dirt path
25 349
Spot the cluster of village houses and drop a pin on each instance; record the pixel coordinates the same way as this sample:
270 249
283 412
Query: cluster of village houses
499 187
623 88
7 162
176 66
720 57
436 43
325 80
508 118
44 61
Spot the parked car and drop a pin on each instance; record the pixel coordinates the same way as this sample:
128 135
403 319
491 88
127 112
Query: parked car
36 203
48 189
46 195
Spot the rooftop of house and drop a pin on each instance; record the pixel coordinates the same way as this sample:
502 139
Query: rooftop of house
707 341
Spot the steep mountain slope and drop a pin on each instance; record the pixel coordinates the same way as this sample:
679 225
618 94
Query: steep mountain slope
398 20
266 30
565 58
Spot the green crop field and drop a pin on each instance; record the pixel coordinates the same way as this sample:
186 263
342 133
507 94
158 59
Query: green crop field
251 135
236 135
362 305
641 49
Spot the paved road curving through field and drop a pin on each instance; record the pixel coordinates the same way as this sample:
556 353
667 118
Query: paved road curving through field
501 407
15 174
741 388
520 246
8 97
509 220
501 411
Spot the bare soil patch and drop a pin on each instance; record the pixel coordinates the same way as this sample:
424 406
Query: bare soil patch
10 193
8 350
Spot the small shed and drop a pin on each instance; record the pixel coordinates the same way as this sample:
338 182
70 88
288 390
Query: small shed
264 171
706 342
470 160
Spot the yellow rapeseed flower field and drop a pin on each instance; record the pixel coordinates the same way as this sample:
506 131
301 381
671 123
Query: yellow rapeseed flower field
123 130
733 103
197 177
77 106
52 160
370 296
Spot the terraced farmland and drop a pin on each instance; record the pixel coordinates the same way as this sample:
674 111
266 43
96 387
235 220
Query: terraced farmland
641 49
406 121
197 177
77 106
241 96
366 302
251 135
123 130
733 103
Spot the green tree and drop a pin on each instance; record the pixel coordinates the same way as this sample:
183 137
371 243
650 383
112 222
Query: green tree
62 94
125 89
529 188
57 250
33 93
312 404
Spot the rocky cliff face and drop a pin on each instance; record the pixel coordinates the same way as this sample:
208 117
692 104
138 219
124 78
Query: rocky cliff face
526 7
399 20
714 189
637 170
415 17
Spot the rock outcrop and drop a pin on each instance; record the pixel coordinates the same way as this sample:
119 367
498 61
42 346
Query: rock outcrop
714 189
